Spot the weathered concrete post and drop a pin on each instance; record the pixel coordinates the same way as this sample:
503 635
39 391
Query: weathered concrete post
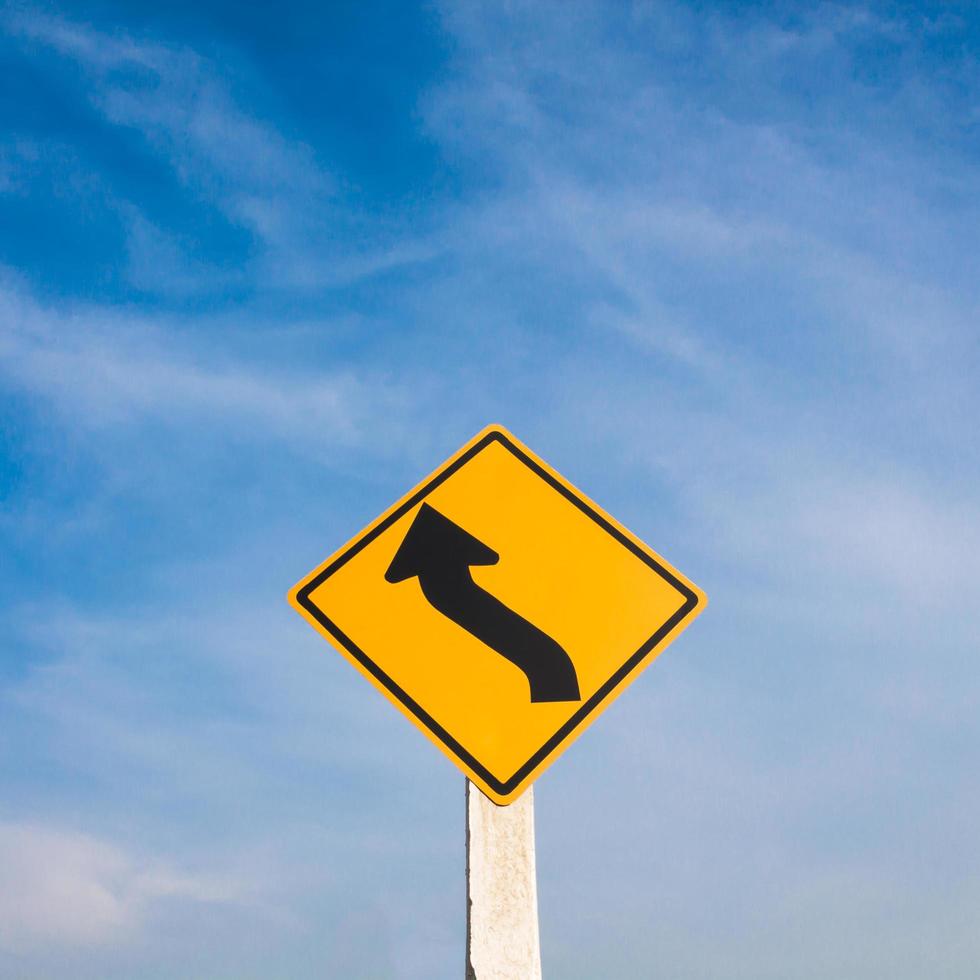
501 889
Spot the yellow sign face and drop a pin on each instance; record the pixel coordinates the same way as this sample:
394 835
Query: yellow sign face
499 609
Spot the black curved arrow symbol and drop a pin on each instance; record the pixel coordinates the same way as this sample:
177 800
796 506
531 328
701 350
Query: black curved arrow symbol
440 554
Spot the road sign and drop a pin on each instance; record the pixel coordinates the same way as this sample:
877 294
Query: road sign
499 609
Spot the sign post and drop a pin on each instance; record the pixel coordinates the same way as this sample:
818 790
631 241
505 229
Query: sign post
501 889
501 611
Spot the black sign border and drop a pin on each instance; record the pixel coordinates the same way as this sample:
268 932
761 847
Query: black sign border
503 787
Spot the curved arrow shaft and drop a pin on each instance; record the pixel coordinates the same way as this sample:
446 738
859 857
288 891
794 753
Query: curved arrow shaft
549 669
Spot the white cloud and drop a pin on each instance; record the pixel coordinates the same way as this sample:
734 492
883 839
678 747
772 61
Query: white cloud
279 793
805 369
64 888
178 100
101 368
270 185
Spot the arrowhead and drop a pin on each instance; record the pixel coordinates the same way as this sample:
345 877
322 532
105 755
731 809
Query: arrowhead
434 543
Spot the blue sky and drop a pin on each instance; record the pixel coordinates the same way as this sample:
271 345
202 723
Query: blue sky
264 266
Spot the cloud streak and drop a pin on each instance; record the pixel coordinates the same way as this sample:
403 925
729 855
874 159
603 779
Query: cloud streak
271 186
102 369
63 888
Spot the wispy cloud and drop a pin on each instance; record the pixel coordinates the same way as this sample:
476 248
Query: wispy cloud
238 789
178 101
64 888
272 186
772 262
104 368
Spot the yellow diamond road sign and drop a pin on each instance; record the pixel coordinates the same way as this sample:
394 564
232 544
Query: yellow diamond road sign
499 609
